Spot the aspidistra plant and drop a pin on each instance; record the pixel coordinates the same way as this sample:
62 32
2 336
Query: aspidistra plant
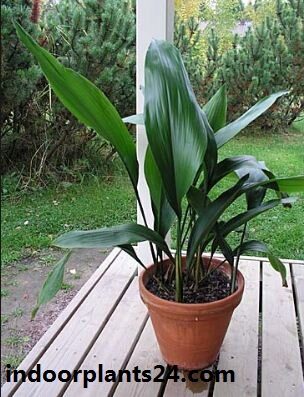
181 169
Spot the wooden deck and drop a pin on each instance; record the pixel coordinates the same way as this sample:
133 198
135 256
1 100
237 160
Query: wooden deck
106 323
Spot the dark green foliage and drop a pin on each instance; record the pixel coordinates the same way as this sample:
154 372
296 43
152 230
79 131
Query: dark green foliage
187 35
267 59
19 79
94 37
17 67
97 39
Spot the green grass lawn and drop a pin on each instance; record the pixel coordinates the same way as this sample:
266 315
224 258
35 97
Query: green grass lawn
31 221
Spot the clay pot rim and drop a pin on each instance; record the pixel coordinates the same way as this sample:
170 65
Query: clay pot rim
205 306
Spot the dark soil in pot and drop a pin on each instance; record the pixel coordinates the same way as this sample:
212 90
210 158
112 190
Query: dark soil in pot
214 287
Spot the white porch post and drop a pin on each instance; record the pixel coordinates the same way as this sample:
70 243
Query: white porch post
154 20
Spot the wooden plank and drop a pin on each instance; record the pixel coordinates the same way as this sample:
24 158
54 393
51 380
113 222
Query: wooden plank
240 348
112 348
298 274
146 355
74 340
281 361
41 346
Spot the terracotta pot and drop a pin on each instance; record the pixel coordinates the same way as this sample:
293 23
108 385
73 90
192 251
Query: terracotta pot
190 335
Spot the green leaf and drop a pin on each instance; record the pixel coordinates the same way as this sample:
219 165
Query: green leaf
290 185
176 127
226 133
216 109
232 164
280 194
52 284
255 196
111 237
137 119
293 184
210 159
259 246
131 251
209 216
239 220
278 266
86 102
196 198
162 211
220 241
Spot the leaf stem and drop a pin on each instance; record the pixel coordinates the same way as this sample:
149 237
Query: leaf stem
178 265
145 222
198 267
192 217
235 268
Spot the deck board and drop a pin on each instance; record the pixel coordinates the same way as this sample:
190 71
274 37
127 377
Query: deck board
106 323
69 349
240 348
281 361
114 343
146 355
298 273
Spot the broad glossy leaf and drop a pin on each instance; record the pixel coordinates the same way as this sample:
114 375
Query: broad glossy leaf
111 237
86 102
278 266
255 196
232 164
280 194
220 241
209 216
137 119
229 131
162 211
196 198
175 125
239 220
216 109
52 284
290 185
210 160
293 184
259 246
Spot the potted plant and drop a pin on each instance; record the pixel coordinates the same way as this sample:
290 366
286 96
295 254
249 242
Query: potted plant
190 297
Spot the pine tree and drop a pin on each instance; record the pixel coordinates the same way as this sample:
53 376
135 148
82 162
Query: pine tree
187 38
19 77
97 39
269 58
186 9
